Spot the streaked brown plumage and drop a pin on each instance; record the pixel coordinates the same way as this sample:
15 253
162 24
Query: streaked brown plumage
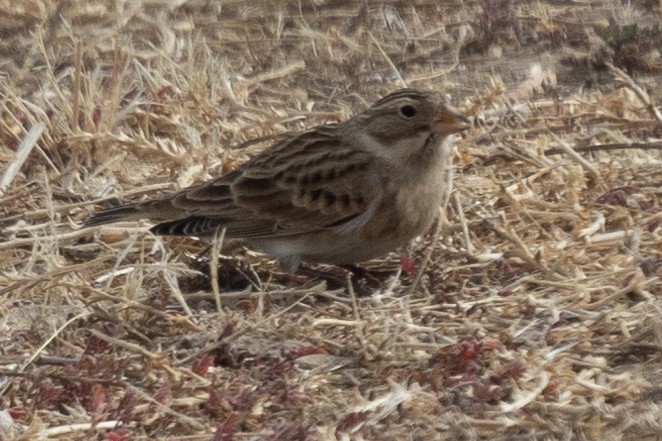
339 193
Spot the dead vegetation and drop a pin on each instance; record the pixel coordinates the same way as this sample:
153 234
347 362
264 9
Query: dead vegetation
534 314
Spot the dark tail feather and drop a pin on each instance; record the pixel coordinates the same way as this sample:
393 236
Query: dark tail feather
130 212
190 226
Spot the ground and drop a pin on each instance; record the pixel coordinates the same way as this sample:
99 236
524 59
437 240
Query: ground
530 310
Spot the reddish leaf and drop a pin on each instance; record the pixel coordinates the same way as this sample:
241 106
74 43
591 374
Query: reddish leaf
514 369
213 404
165 92
17 412
201 366
99 401
290 432
350 422
126 407
408 264
226 431
302 352
118 435
163 394
96 116
227 331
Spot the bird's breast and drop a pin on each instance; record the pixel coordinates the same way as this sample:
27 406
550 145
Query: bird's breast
409 206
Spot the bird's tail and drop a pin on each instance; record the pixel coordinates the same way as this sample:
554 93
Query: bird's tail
129 212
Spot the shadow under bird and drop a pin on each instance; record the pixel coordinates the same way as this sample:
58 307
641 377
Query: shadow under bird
337 194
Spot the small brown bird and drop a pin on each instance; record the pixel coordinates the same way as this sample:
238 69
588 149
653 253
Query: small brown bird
338 194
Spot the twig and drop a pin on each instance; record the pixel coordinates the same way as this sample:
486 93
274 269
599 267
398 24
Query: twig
428 254
44 212
46 360
641 93
286 71
173 284
463 222
608 147
29 241
459 44
521 250
75 106
132 347
22 154
401 80
78 427
523 156
574 155
217 243
358 323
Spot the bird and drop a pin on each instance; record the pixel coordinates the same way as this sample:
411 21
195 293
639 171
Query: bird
337 194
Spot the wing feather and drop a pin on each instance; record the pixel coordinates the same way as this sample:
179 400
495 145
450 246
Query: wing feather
312 182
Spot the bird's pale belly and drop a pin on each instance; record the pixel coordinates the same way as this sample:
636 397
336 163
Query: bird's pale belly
373 240
326 247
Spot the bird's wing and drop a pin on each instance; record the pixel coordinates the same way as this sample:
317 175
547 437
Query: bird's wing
310 182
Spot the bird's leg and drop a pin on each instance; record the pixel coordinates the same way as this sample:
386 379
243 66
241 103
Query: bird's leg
361 273
335 281
332 279
407 262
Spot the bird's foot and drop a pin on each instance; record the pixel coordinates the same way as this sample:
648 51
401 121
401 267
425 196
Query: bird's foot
364 282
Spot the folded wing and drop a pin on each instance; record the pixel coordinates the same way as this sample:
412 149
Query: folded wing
310 182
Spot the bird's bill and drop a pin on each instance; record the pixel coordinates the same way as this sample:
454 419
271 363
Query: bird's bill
450 121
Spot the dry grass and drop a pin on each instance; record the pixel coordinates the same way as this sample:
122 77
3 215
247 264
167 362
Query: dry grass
534 315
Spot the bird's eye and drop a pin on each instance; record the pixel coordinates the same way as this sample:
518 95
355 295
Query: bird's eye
408 111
